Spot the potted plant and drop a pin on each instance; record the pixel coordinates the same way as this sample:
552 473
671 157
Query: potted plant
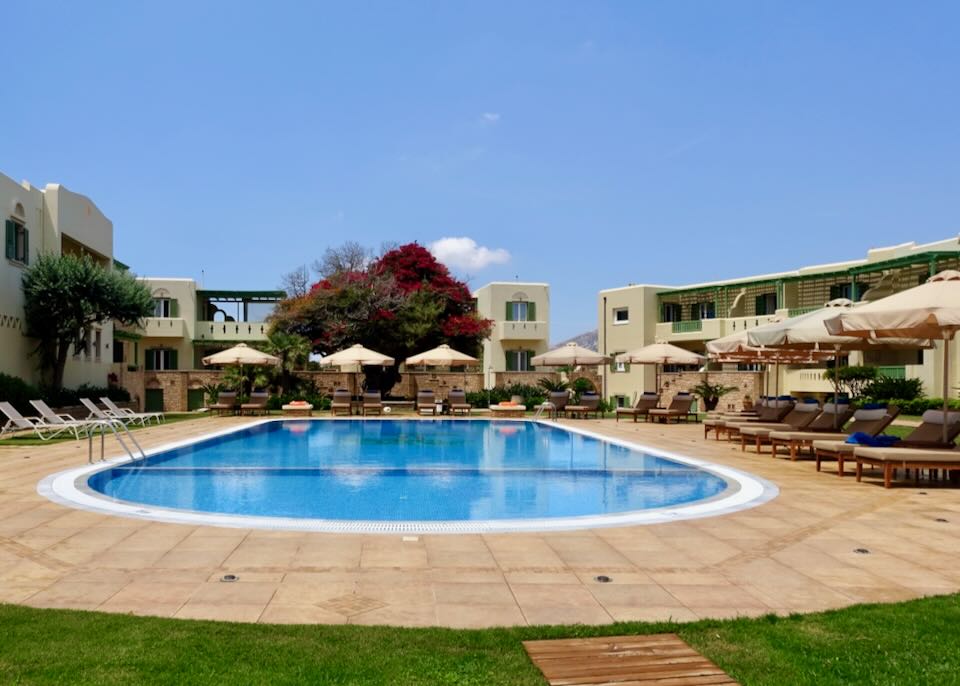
710 393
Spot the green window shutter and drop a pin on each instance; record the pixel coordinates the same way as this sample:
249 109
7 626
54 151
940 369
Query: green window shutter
11 239
26 247
760 305
511 361
174 308
173 360
529 355
509 316
531 312
626 367
148 360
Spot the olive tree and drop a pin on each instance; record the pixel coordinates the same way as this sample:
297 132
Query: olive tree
67 294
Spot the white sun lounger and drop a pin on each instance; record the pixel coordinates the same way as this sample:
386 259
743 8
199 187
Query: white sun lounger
77 426
17 422
123 413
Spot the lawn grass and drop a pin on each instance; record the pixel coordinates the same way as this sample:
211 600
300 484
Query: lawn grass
27 439
904 643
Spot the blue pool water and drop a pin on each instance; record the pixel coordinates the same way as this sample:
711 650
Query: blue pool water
400 470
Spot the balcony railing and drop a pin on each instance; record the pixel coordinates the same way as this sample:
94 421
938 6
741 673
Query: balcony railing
893 372
231 331
164 327
691 326
522 331
797 311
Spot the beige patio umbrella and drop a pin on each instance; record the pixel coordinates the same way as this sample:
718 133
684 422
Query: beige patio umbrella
569 355
930 310
357 355
441 356
660 353
808 332
239 355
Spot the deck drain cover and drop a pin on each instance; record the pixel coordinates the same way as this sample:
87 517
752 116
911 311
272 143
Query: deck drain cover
941 519
229 578
861 551
603 579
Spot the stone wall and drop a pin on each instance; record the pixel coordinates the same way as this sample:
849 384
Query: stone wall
748 384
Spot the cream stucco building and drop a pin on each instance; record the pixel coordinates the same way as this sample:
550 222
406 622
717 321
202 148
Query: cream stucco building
54 220
521 315
689 316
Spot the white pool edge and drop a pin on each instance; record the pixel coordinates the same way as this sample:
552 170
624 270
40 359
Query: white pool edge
747 491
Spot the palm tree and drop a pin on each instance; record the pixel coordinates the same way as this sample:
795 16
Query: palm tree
293 351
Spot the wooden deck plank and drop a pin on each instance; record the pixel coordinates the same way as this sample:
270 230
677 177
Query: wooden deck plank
655 660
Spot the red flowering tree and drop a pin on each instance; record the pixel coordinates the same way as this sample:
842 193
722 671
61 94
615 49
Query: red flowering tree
404 302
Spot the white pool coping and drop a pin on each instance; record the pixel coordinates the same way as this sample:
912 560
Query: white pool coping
744 491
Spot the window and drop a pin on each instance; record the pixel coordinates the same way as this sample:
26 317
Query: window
618 367
160 359
17 240
97 344
702 311
521 311
621 315
519 360
672 312
117 351
766 303
165 307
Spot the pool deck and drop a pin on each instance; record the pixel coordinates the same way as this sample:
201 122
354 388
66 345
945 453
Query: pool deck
793 554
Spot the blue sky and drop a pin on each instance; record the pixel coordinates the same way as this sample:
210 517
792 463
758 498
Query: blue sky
597 143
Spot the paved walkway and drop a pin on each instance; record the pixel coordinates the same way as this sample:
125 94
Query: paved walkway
794 554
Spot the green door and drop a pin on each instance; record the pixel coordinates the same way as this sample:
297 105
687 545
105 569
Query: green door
194 399
153 400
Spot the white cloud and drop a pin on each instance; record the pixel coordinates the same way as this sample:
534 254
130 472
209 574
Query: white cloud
489 118
464 253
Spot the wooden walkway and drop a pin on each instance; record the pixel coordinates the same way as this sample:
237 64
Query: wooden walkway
655 660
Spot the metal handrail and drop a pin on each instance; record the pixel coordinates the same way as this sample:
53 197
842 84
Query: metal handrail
112 425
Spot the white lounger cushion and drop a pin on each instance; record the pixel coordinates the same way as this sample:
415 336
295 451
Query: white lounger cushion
870 415
936 417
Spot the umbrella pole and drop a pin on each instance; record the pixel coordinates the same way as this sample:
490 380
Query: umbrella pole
946 383
776 384
836 385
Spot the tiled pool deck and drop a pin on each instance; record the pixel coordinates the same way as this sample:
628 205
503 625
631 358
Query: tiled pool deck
794 554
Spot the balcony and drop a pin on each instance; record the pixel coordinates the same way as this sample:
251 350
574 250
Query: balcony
164 327
707 329
231 331
522 331
893 372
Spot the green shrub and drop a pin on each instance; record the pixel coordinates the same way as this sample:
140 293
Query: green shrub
919 405
853 379
18 393
885 387
532 395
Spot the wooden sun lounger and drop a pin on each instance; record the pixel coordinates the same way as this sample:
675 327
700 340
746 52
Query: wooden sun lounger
927 436
341 402
864 421
645 403
892 459
799 418
372 403
457 400
680 407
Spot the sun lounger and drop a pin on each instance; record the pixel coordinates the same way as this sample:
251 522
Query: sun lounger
680 407
69 423
120 412
341 403
870 421
103 415
798 419
372 403
457 398
589 404
927 436
17 422
226 402
646 402
257 404
426 402
772 410
892 459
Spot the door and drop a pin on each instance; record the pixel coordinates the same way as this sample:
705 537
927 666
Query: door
194 399
153 400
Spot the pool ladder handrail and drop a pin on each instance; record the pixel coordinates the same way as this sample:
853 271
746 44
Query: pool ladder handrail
111 423
545 405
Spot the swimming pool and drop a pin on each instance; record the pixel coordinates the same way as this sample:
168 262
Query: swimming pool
410 475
